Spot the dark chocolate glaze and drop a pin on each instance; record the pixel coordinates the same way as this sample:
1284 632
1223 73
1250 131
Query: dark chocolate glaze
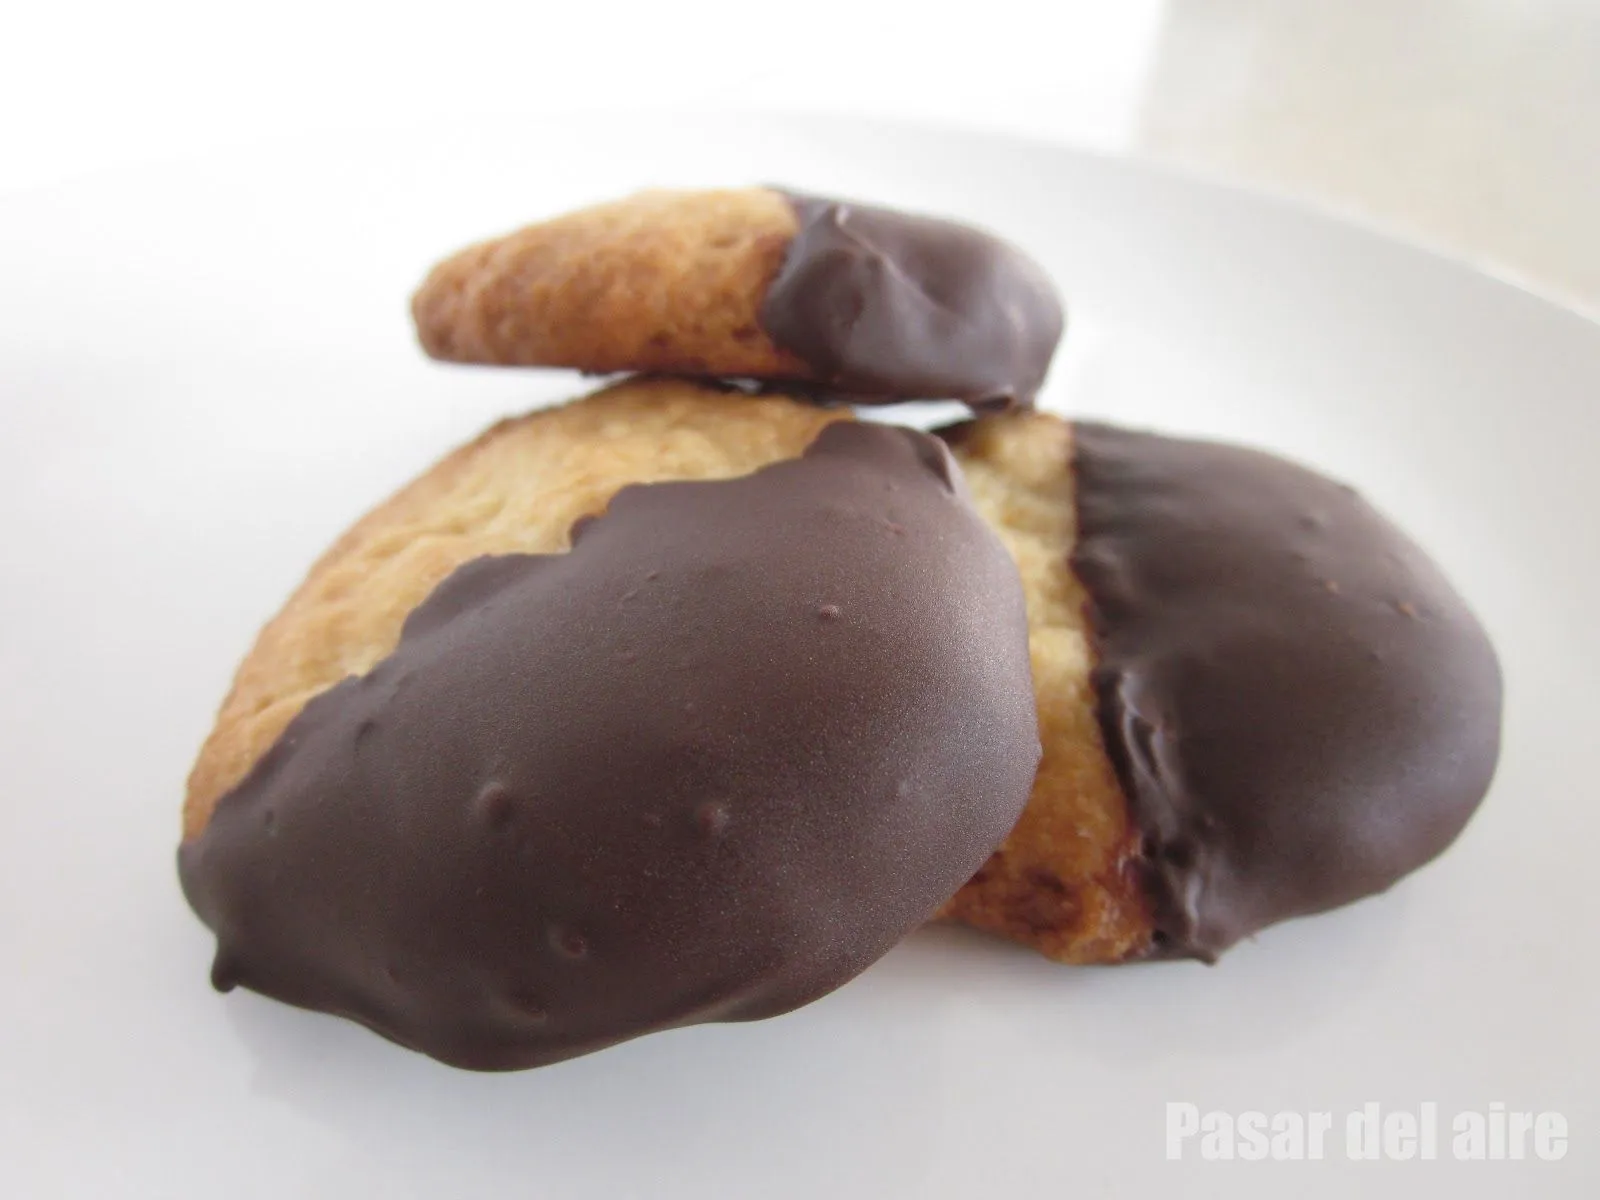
888 306
707 766
1299 706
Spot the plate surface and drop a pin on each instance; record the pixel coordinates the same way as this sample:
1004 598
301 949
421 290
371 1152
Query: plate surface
206 371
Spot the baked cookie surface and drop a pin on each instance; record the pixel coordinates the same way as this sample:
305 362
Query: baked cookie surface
516 489
1122 852
862 302
662 281
1066 881
706 761
1258 698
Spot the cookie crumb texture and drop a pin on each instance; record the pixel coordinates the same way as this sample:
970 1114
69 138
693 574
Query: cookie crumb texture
854 300
1064 881
663 281
516 489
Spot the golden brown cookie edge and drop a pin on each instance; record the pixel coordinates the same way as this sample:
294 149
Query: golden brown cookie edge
1065 882
661 281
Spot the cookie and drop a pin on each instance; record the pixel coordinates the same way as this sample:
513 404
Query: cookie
518 489
858 301
766 710
1258 699
1067 880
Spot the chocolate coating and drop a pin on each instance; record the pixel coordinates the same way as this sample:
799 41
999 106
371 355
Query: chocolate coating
1299 706
888 306
707 766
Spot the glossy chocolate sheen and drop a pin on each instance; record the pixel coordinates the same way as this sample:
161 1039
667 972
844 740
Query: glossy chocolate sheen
707 766
887 306
1299 706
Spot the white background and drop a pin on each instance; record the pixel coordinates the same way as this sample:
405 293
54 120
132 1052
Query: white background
217 213
1465 123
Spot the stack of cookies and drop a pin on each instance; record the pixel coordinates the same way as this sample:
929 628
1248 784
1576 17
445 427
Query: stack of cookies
687 700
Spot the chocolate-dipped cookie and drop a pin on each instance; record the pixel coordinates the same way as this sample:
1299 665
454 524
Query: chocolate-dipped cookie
859 301
508 799
1258 699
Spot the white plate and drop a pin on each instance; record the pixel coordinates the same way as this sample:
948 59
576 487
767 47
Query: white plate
208 371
